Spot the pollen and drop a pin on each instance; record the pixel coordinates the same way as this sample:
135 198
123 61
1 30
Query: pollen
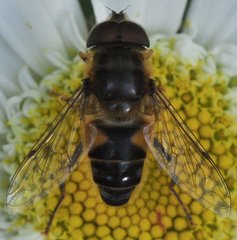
155 212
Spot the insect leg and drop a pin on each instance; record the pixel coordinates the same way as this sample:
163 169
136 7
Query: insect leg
62 189
172 184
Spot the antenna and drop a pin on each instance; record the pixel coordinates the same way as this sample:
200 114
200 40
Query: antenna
118 16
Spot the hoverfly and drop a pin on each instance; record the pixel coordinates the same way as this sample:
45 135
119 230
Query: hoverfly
115 117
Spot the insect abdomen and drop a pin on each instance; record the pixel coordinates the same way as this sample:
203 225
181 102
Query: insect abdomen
116 162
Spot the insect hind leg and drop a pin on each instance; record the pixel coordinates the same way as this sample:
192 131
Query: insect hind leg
188 215
63 194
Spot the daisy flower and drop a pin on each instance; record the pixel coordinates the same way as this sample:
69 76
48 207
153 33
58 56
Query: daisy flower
194 59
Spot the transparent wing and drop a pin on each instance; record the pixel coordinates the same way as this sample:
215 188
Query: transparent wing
185 160
51 159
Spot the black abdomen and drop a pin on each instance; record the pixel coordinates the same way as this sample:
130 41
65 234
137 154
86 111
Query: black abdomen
117 162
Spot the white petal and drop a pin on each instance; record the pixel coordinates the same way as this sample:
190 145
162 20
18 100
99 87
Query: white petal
26 80
74 36
28 29
60 11
3 102
9 87
57 60
187 49
212 22
156 16
226 58
10 65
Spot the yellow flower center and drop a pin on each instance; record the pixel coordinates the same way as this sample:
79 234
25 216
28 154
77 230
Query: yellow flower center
153 212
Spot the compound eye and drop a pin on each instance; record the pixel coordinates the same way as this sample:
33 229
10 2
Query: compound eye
106 32
134 33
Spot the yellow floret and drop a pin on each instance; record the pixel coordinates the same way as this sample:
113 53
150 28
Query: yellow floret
134 231
126 222
90 203
193 124
85 184
218 148
196 208
165 190
186 199
70 187
131 210
77 234
108 238
67 200
180 223
160 209
177 104
75 208
101 219
166 221
63 213
187 97
119 234
145 195
58 231
206 131
143 212
84 168
225 162
102 231
156 185
171 211
145 236
204 116
145 224
77 176
152 217
92 192
163 200
89 215
111 211
157 232
197 219
100 207
80 196
208 216
192 110
186 235
52 202
140 203
75 221
206 143
135 219
173 200
89 229
169 92
171 236
151 204
114 221
121 212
